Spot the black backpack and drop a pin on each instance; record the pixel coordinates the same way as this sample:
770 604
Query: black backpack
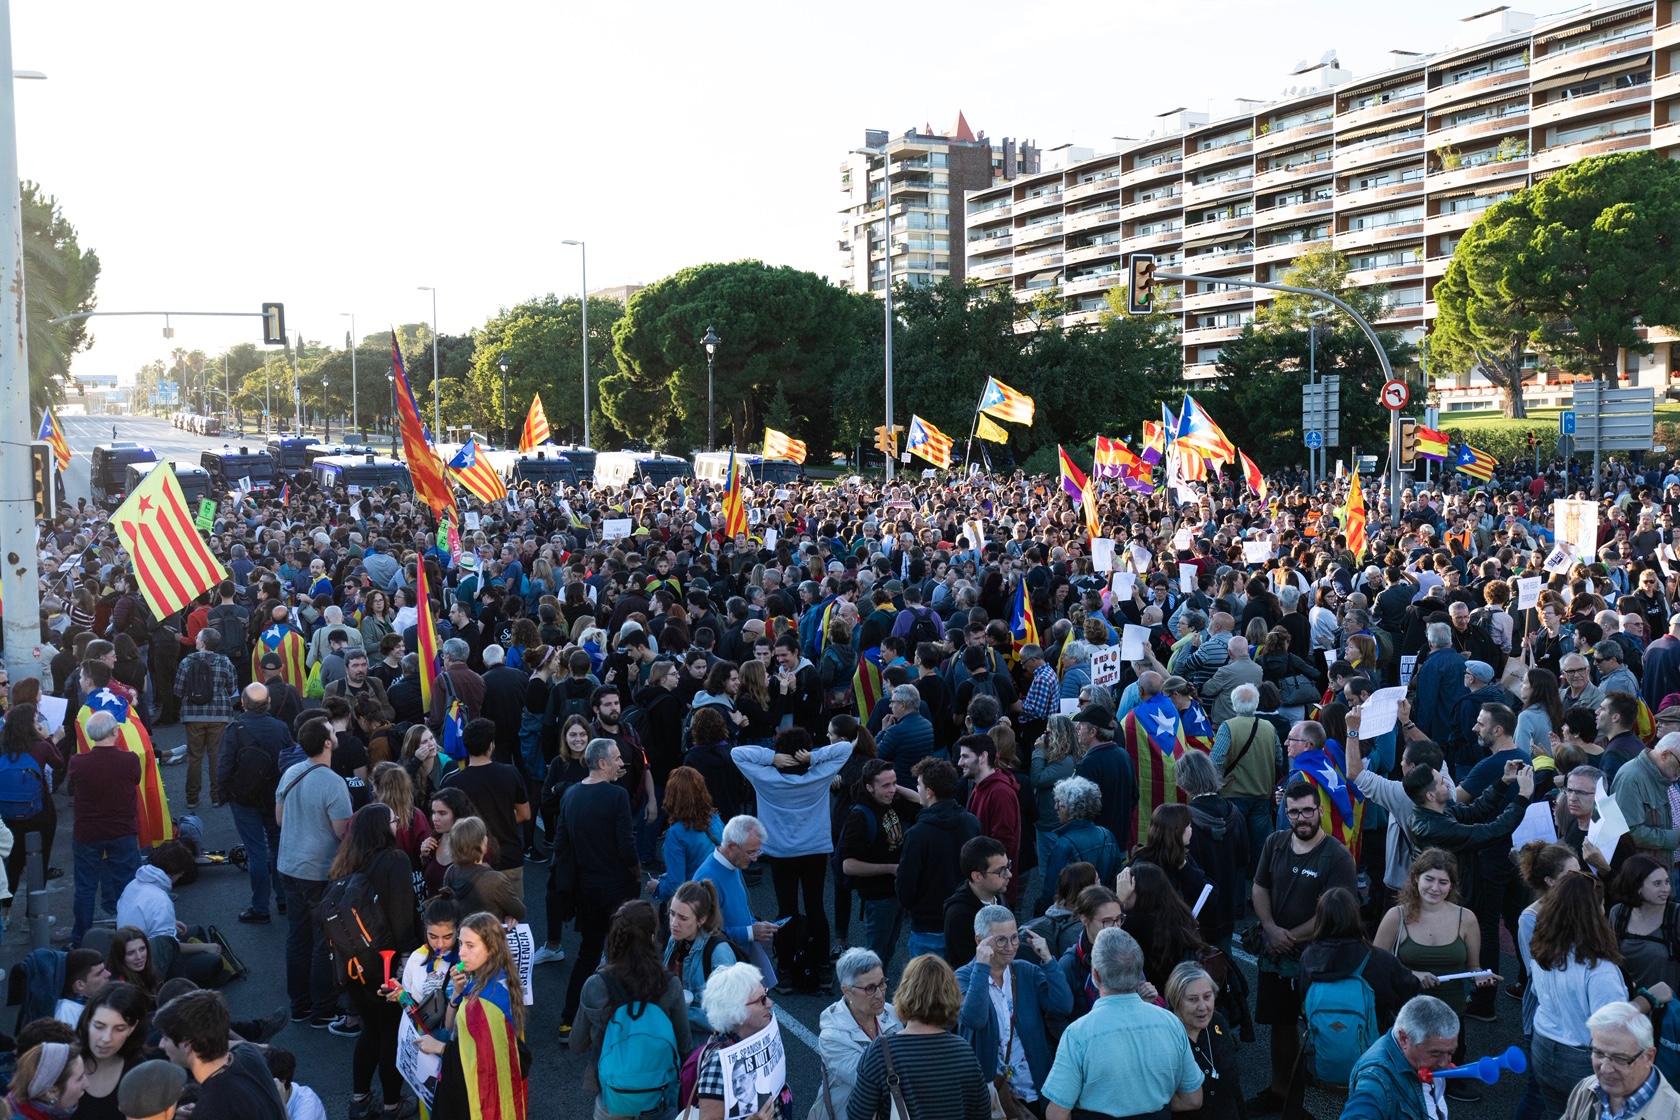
255 772
201 681
923 629
355 929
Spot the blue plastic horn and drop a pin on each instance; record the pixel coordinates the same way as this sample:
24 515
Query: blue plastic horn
1488 1070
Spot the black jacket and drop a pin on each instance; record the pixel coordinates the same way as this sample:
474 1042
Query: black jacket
1391 982
927 863
662 728
1219 844
1463 829
404 696
252 730
960 908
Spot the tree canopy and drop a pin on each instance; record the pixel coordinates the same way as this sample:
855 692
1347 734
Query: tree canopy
542 342
58 279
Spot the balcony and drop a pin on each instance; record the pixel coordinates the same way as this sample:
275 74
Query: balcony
1161 204
983 246
999 271
1401 315
1480 173
1211 264
1666 86
1386 192
1351 120
1292 175
1207 336
1451 223
1565 154
1201 371
1286 250
1027 235
1284 137
1294 212
1213 157
1668 35
1514 78
1224 297
1078 220
1157 242
1476 130
1167 169
1196 195
1436 267
1390 274
1036 202
1208 231
1102 185
1665 136
1364 155
1377 235
1091 252
997 212
1097 282
1083 318
1569 107
1564 62
1039 262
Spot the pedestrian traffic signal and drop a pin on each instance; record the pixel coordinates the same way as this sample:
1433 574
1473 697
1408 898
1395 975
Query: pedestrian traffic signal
1408 442
274 324
1140 283
41 480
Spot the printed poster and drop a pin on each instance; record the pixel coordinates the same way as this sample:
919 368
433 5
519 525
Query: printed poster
754 1072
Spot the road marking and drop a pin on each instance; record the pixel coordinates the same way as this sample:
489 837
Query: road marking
798 1030
1246 958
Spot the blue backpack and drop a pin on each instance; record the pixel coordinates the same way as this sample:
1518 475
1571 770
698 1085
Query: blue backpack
23 786
1341 1024
639 1064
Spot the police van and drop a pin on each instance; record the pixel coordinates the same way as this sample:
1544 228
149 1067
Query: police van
321 450
109 478
195 481
290 453
545 465
347 475
625 468
228 465
713 466
582 458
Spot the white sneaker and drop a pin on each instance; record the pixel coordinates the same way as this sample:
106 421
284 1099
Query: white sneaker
544 955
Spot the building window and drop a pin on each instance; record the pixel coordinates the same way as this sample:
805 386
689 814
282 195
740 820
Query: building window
1383 97
1484 67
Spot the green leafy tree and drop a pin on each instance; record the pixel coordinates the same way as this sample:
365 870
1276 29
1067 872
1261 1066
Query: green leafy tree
779 326
950 337
59 279
541 340
1575 264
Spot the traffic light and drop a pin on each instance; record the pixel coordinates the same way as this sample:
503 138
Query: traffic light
274 324
1408 442
41 479
1140 283
1531 440
886 439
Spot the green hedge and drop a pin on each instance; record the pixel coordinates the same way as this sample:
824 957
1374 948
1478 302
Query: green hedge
1506 440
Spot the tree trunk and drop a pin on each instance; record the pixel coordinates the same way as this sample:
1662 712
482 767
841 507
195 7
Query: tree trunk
1515 407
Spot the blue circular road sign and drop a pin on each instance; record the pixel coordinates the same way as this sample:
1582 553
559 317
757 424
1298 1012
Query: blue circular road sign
1315 440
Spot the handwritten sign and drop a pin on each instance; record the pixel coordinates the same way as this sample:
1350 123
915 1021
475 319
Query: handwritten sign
615 528
1105 664
1256 552
1528 592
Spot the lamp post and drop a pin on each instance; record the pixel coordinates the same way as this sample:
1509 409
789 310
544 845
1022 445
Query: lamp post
507 430
391 380
710 342
583 303
887 294
350 345
326 414
437 409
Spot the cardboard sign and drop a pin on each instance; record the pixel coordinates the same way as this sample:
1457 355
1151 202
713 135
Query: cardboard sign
615 528
1528 593
522 947
754 1073
1105 664
206 518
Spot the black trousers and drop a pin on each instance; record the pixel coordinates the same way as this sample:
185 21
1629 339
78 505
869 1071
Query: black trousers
793 876
595 909
376 1046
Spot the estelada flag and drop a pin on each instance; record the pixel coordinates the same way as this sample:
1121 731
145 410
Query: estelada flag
1023 627
1431 444
535 430
1341 805
1251 475
54 435
987 430
173 564
929 443
1150 736
1477 464
1355 519
151 803
867 682
734 511
424 467
285 640
425 636
780 445
1010 405
489 1054
471 468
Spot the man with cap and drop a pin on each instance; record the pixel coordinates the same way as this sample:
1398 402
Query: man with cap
284 701
1104 762
151 1090
1481 688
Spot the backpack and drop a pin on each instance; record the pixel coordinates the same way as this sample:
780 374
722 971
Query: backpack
721 938
1341 1024
23 786
254 773
571 704
355 928
639 1064
1620 915
201 682
922 629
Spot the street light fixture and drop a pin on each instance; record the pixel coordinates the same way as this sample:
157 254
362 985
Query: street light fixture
583 303
710 342
507 425
437 409
391 380
350 345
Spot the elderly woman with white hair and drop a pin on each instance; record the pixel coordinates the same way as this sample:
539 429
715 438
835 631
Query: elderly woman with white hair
738 1006
847 1027
1078 838
1625 1082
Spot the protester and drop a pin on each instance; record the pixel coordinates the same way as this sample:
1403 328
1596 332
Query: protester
924 1072
849 1025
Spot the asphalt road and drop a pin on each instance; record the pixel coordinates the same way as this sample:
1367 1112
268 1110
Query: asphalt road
324 1060
83 433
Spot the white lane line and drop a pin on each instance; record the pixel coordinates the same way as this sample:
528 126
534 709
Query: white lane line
797 1029
1246 958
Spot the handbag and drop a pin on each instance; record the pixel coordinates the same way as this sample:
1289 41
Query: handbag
1298 689
899 1110
1005 1104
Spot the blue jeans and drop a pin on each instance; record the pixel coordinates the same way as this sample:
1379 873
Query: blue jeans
881 920
308 974
1258 812
111 862
261 837
921 943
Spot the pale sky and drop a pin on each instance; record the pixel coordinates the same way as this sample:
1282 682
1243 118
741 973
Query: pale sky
335 156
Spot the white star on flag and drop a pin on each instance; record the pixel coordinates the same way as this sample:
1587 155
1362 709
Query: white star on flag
1165 725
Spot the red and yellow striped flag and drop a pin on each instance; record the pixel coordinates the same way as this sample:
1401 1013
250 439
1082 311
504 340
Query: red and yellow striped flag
471 468
1355 519
54 435
425 636
734 512
173 564
780 445
536 425
424 467
929 442
489 1052
151 803
1251 475
287 641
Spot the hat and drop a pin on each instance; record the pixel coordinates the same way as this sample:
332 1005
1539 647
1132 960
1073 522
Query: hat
271 661
1096 715
468 562
1176 684
150 1089
1481 670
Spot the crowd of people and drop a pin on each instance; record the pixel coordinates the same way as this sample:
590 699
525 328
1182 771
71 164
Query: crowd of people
1311 798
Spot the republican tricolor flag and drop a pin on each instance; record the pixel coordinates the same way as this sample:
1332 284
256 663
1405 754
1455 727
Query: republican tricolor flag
151 803
424 466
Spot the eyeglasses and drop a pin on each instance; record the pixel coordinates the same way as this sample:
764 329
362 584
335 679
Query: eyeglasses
1006 869
1301 814
1621 1061
1580 792
762 1001
875 989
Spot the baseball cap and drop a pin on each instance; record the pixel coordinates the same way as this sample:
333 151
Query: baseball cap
271 661
1096 715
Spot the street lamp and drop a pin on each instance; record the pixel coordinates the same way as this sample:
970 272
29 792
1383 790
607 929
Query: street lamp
437 409
507 427
391 380
350 345
710 342
326 414
887 294
583 304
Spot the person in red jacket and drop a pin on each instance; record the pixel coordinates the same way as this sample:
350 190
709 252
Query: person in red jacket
993 796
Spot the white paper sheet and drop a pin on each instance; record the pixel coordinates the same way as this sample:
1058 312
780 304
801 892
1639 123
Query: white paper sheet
1134 640
1187 577
1537 824
770 538
1380 713
1181 540
1102 554
615 528
1201 900
1408 666
1528 592
1124 584
1607 831
1140 558
52 709
1256 552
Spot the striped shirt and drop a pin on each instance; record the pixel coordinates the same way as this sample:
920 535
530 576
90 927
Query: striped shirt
938 1074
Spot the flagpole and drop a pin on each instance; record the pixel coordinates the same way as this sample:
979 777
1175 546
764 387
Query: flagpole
974 427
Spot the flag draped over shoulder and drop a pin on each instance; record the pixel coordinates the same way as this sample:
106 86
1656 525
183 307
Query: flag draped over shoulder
734 512
780 445
929 443
1477 464
54 435
424 467
283 639
867 685
535 430
1022 625
489 1054
425 636
1251 475
151 804
1149 735
1341 805
471 468
173 565
1355 519
1006 404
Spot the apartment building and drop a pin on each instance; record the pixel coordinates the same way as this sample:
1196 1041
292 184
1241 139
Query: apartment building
1389 168
930 175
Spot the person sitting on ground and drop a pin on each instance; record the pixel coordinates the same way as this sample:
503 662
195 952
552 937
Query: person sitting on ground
148 904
